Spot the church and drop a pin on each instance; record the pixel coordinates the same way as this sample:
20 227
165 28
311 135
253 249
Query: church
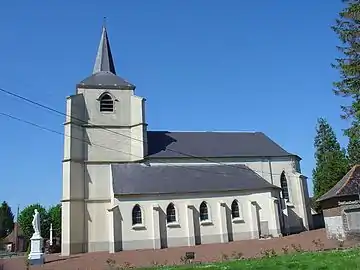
126 187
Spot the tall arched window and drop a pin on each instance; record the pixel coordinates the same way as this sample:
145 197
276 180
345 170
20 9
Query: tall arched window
136 215
235 212
284 186
106 103
204 212
171 213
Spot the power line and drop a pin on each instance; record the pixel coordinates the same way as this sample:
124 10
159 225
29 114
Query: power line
123 135
97 145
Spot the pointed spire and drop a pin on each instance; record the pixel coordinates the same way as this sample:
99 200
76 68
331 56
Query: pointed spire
104 60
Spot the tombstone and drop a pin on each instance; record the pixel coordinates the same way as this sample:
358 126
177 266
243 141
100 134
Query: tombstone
36 255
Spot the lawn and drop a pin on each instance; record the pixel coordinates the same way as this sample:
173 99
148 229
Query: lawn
343 259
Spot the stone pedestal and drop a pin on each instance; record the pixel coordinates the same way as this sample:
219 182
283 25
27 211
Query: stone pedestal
36 255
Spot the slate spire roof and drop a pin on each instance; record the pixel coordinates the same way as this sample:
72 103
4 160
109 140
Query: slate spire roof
104 59
347 186
104 73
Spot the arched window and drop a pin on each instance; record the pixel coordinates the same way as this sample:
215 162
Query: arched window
171 213
106 103
136 215
284 186
235 212
204 212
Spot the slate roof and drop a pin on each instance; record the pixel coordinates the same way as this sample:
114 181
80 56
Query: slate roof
165 144
104 73
347 186
105 79
136 178
104 60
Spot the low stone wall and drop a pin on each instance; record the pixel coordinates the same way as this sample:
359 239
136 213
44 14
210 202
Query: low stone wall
334 227
337 220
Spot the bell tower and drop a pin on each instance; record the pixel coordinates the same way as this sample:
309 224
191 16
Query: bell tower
105 124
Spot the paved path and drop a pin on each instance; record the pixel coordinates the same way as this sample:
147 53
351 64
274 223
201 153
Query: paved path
204 253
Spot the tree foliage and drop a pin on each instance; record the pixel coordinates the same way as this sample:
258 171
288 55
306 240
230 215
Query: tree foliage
347 28
25 220
55 218
6 220
331 162
353 150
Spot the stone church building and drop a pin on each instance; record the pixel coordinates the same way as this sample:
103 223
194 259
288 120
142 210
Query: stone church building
126 187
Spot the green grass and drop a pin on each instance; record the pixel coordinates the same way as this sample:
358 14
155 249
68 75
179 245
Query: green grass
343 259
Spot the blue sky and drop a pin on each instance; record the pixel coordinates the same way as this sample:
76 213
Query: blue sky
202 65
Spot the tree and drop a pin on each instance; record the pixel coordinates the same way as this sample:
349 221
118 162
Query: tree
331 162
347 29
353 151
6 220
55 218
25 220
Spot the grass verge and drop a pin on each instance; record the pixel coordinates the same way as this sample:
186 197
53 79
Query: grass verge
341 259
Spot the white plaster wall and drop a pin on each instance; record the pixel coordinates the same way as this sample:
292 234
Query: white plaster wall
72 219
123 139
126 105
270 169
334 227
97 226
181 202
97 184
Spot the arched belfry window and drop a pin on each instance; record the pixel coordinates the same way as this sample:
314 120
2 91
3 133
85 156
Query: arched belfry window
204 211
284 186
136 215
171 213
106 103
235 211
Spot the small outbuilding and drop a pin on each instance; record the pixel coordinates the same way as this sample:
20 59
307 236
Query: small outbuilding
341 207
15 241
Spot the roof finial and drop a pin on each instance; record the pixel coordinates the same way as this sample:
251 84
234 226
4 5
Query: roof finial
104 22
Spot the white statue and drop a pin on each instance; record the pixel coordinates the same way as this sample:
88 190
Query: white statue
36 255
36 222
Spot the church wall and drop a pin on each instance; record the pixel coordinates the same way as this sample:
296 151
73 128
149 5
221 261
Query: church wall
97 184
188 230
73 144
97 227
122 115
112 144
72 235
73 184
121 138
298 208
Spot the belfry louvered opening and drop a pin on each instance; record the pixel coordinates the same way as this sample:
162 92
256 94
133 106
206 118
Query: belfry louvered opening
106 103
